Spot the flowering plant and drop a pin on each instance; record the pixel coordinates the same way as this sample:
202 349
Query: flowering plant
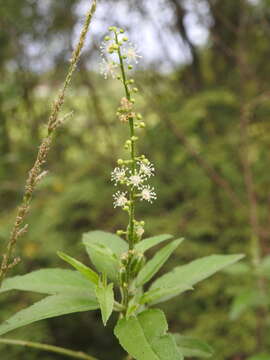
120 281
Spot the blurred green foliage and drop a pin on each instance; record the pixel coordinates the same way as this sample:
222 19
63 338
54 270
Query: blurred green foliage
208 128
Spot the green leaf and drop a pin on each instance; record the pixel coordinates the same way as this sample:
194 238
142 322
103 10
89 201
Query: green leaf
195 271
104 260
146 244
246 300
153 265
50 281
264 267
117 245
238 269
161 294
262 356
105 298
104 250
191 347
145 337
49 307
83 269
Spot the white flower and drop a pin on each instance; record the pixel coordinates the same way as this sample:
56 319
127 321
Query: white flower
148 193
118 174
139 230
136 180
108 68
106 47
120 199
146 169
132 54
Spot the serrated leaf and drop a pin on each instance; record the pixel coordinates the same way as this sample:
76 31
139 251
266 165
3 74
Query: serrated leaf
195 271
153 265
104 250
83 269
145 337
105 298
49 307
161 294
146 244
191 347
50 281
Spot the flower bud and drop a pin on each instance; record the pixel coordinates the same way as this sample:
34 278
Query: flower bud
107 38
142 125
122 31
135 90
125 38
139 116
120 161
130 67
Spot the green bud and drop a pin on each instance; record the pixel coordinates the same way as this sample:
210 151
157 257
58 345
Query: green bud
128 142
126 208
132 101
134 138
122 31
139 116
131 81
142 223
130 67
115 46
124 56
142 125
135 90
120 161
111 28
107 38
125 38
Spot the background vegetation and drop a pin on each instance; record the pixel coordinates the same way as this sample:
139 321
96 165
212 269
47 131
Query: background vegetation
204 93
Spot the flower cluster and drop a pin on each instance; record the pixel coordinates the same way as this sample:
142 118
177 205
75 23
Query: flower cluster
118 57
136 180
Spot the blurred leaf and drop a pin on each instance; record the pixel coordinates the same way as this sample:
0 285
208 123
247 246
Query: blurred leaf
158 295
191 347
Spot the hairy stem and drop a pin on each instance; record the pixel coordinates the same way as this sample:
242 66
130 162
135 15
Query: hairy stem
49 348
36 173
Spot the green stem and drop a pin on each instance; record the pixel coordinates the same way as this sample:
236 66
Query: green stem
49 348
130 232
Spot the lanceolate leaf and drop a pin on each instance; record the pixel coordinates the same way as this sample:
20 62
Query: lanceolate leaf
49 307
195 271
105 298
146 244
50 281
153 265
83 269
157 295
191 347
145 337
